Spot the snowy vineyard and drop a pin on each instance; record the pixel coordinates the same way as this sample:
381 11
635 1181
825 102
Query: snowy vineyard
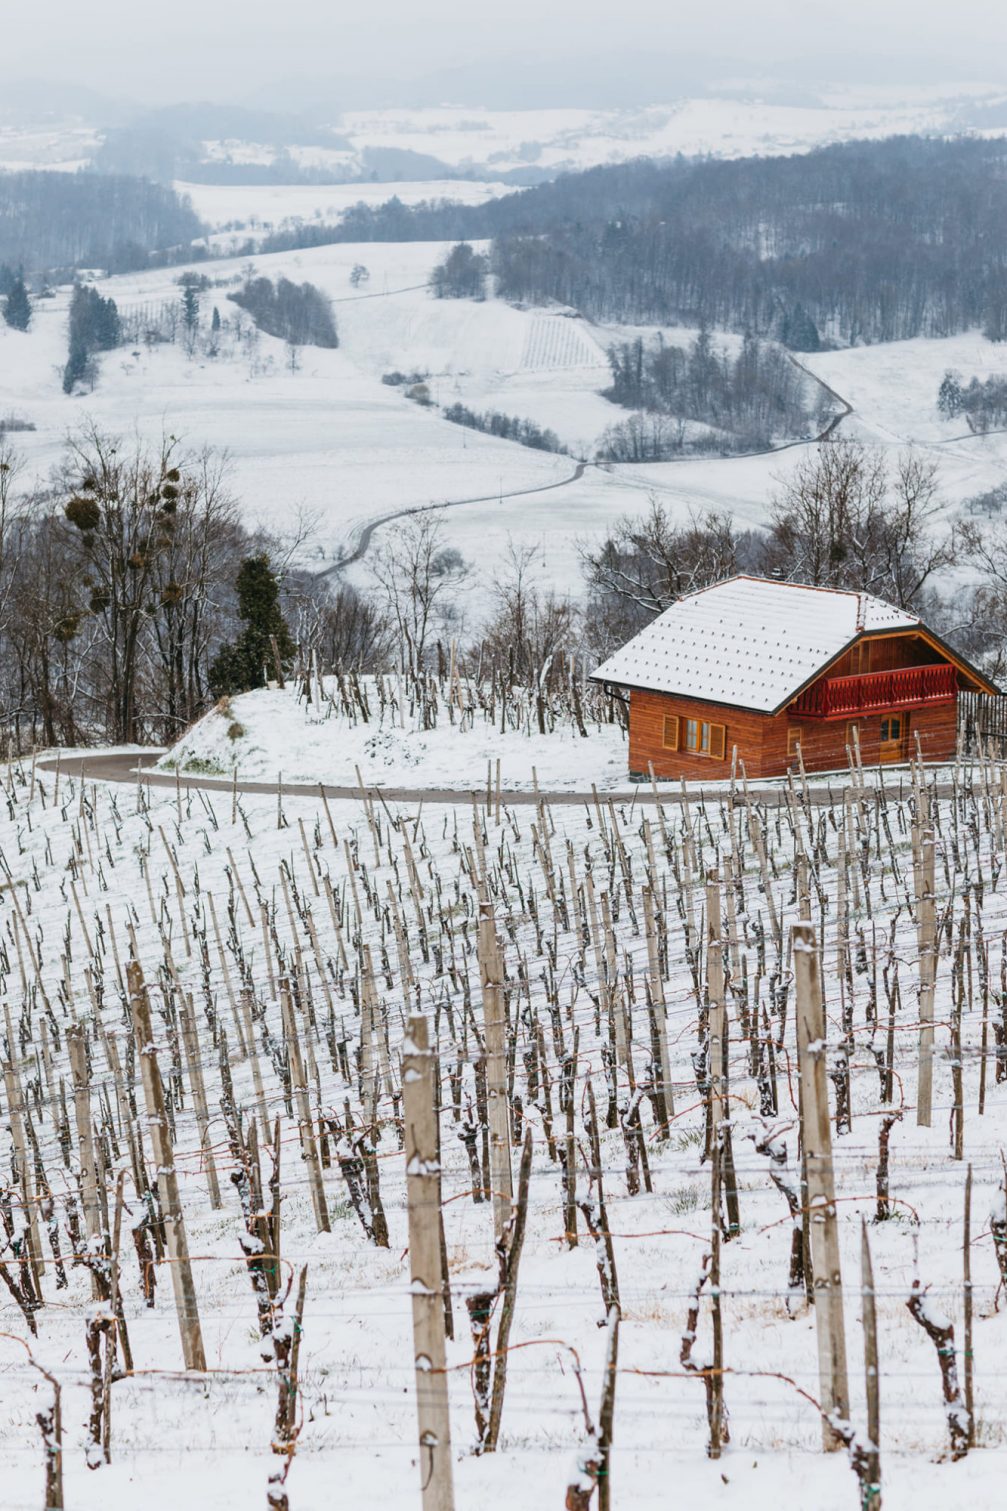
452 1153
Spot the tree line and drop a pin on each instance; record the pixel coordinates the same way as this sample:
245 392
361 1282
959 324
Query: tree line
752 398
846 517
53 223
298 313
855 242
127 598
507 426
982 402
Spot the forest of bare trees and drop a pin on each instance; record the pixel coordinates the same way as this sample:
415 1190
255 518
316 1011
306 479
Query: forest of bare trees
750 398
53 222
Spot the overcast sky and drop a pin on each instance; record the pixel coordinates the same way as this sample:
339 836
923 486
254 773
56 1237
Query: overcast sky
230 49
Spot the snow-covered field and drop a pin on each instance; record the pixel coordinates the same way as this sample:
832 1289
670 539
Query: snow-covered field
567 139
269 207
744 119
56 145
88 872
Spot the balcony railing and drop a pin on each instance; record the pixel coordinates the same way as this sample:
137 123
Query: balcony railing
834 697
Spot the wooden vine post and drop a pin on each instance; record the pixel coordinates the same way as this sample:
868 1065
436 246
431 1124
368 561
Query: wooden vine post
816 1135
299 1084
419 1069
871 1491
928 971
85 1143
495 1032
167 1176
717 1029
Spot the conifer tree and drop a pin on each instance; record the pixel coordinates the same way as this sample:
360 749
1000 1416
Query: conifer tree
17 305
247 662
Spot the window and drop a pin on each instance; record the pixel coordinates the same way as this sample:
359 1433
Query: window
670 740
795 738
891 728
705 739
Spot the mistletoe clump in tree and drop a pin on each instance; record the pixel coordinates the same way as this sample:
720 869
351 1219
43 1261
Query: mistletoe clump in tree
241 664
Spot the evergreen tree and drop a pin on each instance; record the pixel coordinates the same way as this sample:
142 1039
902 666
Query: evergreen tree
76 368
17 306
247 662
995 307
950 398
94 326
190 308
799 331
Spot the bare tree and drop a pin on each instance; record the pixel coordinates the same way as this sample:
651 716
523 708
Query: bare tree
842 519
530 630
417 577
649 561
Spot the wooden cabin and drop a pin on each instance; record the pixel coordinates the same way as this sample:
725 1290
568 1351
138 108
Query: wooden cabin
766 667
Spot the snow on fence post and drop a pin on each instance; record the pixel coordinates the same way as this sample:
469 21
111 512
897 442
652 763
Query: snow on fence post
871 1483
190 1043
17 1113
967 1290
85 1146
167 1176
816 1136
495 1030
419 1068
299 1086
718 1122
926 905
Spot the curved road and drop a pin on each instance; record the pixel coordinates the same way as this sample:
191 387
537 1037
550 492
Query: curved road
367 530
123 768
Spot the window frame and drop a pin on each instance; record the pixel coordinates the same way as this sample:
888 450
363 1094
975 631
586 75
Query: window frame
705 739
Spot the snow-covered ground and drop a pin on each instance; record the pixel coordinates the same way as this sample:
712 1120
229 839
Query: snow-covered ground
268 207
65 146
567 139
275 733
746 118
206 1438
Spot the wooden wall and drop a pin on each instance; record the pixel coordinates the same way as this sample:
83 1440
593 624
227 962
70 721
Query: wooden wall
762 739
646 737
884 653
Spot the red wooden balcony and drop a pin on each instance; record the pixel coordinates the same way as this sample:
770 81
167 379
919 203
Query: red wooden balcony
838 697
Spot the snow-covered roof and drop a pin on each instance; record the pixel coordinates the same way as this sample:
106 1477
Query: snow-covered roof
750 641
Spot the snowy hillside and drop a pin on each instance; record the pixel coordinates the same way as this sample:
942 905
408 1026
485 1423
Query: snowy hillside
331 440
